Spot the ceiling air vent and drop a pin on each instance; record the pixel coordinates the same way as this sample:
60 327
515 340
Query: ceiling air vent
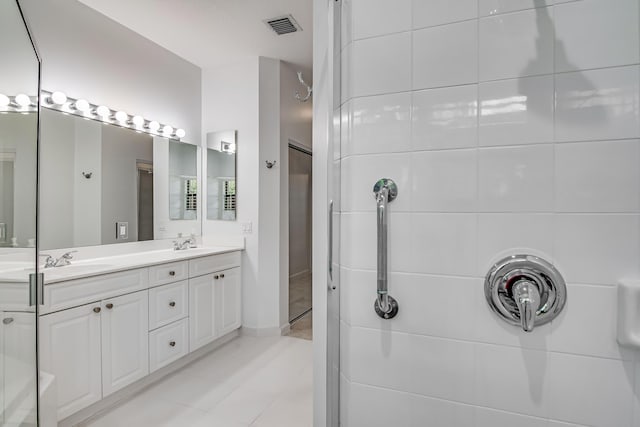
283 25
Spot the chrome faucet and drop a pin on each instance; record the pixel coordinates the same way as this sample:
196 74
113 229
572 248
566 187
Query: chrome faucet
65 259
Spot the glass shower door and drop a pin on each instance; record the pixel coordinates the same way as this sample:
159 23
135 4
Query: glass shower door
19 89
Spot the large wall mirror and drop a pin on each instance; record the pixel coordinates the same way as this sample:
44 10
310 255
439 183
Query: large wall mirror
221 175
103 184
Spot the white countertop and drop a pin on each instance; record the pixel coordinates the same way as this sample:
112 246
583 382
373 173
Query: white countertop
110 264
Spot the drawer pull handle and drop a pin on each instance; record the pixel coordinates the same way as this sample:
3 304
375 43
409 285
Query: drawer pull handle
8 320
216 277
96 309
172 273
222 276
109 306
172 343
172 304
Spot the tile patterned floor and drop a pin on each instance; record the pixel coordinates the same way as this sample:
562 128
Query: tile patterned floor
249 382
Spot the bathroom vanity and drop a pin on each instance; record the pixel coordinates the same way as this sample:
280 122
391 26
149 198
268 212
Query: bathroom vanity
109 323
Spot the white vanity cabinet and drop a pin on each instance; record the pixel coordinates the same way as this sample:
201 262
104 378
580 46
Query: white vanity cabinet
18 361
70 349
125 350
228 301
214 302
95 349
103 332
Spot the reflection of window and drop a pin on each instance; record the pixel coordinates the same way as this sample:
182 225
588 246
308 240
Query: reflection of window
191 195
229 195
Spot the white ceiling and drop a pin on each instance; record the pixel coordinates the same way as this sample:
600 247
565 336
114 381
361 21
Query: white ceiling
211 33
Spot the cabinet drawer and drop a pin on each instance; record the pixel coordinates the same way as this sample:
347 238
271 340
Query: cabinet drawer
209 264
168 344
168 273
168 303
72 293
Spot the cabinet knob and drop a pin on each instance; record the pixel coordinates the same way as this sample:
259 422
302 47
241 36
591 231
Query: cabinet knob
172 343
96 309
172 273
109 306
222 276
172 304
7 320
216 277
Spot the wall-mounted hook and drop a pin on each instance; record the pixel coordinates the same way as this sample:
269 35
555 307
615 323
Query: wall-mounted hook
270 164
309 89
87 174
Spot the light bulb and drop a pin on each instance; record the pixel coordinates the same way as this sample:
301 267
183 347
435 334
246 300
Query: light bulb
103 112
138 121
167 130
122 117
180 133
82 105
23 100
4 100
154 126
58 98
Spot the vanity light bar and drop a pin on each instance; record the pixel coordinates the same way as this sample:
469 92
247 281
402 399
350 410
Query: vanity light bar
19 103
81 107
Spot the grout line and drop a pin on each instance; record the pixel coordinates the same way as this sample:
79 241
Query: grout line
502 79
476 342
491 147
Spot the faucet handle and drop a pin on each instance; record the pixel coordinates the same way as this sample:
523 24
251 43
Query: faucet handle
67 255
527 298
49 262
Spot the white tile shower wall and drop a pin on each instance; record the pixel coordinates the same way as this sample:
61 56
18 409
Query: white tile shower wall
510 126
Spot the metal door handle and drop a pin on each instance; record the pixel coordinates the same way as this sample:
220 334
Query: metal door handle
109 306
172 343
172 273
385 192
330 247
172 304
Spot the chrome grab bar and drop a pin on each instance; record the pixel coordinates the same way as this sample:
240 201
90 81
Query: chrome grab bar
385 192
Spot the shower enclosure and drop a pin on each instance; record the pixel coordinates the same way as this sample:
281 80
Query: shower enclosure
19 279
510 128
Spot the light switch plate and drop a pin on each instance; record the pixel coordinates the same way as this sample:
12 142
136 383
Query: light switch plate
122 230
247 228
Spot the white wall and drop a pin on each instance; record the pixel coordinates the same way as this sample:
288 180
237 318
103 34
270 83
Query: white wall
547 165
248 97
16 49
87 55
230 101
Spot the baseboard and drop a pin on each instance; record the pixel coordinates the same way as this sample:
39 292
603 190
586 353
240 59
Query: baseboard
121 396
285 329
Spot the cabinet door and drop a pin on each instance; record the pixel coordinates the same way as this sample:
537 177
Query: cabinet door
125 341
70 350
228 297
202 321
19 360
